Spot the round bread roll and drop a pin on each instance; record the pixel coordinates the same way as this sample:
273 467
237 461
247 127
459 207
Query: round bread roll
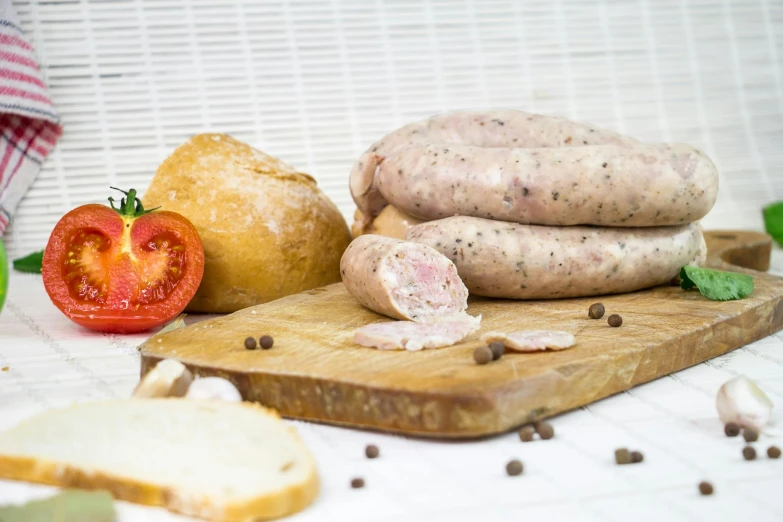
268 231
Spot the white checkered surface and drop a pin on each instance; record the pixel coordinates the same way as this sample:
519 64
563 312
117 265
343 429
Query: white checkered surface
52 363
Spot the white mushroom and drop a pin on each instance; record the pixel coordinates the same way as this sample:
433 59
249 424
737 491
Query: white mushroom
740 400
215 388
169 378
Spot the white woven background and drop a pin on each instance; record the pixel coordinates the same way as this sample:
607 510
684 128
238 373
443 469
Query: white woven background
315 82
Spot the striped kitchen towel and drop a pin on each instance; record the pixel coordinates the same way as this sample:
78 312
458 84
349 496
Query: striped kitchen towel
29 125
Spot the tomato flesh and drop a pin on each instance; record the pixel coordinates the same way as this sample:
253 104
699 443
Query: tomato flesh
84 268
122 274
163 269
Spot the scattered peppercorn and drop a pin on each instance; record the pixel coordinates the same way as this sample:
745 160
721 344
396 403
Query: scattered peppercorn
372 451
526 433
544 430
514 468
482 355
498 349
705 488
622 456
266 342
773 452
596 311
731 429
750 434
749 452
636 457
614 320
357 483
250 343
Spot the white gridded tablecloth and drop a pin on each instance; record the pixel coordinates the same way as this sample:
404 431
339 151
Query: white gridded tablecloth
52 362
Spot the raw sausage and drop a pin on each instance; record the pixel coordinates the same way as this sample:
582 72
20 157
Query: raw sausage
496 128
531 340
497 259
641 185
402 280
398 335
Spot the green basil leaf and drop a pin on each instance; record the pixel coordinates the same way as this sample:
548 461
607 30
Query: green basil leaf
773 221
68 506
716 285
30 264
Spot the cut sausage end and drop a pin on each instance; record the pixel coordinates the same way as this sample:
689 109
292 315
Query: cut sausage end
402 280
425 284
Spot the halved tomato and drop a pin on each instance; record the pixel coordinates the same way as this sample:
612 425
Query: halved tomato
125 269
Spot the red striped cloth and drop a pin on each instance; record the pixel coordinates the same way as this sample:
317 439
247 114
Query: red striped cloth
29 125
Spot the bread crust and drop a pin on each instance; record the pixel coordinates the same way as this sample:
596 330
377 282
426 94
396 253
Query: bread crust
275 504
268 231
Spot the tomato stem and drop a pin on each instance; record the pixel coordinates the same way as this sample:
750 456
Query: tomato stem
130 207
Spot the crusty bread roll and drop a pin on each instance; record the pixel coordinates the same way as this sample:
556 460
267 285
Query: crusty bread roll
391 222
268 231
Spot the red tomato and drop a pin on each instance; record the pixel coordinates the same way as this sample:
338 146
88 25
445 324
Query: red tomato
122 270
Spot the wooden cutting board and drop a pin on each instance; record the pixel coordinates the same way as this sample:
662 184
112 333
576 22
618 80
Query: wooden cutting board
315 372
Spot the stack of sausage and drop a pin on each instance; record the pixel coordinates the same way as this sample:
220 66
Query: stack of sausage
537 207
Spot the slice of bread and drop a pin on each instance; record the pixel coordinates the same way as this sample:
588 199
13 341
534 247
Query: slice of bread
209 459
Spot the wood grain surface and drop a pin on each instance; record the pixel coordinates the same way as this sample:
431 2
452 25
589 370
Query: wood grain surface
315 372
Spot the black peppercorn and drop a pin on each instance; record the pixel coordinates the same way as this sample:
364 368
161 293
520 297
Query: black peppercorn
750 434
596 311
545 430
731 429
614 320
705 488
482 355
498 349
372 451
526 433
250 343
266 342
357 483
749 452
514 468
773 452
622 456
